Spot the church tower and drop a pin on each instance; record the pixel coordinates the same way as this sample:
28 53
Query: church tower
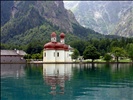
53 37
62 38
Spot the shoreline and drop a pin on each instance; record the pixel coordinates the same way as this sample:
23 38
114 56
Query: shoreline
40 62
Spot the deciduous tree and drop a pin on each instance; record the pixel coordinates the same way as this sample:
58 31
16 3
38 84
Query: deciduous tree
75 54
130 51
91 53
118 52
107 57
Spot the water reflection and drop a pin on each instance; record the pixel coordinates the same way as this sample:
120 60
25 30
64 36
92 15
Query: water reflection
12 70
66 82
55 76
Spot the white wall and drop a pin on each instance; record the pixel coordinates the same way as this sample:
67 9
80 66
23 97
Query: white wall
61 57
70 58
44 58
49 56
64 56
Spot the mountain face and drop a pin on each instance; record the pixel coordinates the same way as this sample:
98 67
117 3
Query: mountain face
51 11
125 25
102 16
57 14
5 11
23 21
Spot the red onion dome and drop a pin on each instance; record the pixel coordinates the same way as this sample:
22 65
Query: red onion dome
66 47
62 35
49 45
59 45
53 34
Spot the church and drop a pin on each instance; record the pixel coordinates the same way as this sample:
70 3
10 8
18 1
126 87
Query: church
57 51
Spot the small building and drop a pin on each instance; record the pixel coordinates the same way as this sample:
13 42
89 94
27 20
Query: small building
57 51
12 56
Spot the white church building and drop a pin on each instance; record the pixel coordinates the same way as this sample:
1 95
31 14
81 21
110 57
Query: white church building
57 51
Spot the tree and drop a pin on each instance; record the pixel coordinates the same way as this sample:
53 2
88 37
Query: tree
35 56
34 47
107 57
118 52
79 45
75 54
114 43
28 56
130 51
91 53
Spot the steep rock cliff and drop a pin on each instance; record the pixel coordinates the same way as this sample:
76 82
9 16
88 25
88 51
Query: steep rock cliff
101 16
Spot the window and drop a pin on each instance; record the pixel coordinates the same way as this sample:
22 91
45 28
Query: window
57 54
45 54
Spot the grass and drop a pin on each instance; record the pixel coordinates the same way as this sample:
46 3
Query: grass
125 60
101 60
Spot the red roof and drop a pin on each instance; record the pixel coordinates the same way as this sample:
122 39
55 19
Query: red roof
59 46
53 34
55 46
66 47
50 45
62 35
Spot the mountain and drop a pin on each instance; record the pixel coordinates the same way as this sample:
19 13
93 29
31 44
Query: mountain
5 11
101 16
23 22
125 25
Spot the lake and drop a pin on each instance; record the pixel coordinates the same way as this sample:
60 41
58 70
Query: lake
66 82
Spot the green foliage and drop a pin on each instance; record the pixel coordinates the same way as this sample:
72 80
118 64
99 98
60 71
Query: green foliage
28 56
11 46
102 45
118 52
130 51
91 53
29 31
34 47
79 45
75 54
107 57
35 56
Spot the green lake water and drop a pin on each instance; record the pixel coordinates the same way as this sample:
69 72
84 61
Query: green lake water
66 82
